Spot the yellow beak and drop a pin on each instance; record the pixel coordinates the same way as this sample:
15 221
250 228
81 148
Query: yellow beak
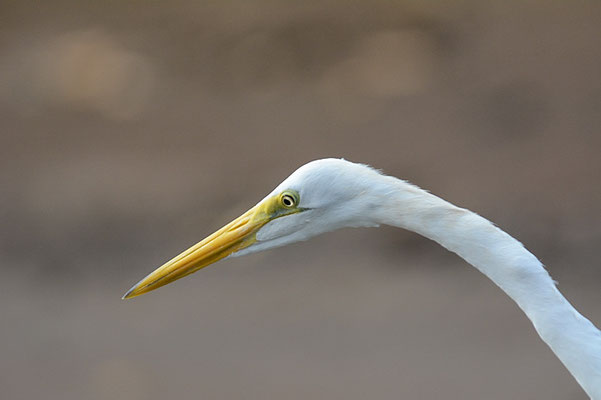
237 235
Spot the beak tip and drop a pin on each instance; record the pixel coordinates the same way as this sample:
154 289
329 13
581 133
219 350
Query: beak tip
237 235
129 294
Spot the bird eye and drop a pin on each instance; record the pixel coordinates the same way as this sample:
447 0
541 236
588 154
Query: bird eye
288 200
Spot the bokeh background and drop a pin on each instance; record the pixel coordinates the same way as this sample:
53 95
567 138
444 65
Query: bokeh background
131 129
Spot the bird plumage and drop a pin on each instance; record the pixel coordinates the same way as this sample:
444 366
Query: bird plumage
334 193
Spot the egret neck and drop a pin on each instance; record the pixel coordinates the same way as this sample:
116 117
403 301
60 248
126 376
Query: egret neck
503 259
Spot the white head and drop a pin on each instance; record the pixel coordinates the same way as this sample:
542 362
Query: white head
332 194
321 196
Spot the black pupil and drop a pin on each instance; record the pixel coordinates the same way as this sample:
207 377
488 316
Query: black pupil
288 201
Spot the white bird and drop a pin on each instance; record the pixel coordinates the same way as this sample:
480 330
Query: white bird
329 194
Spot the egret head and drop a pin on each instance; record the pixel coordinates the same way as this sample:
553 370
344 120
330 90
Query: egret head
320 196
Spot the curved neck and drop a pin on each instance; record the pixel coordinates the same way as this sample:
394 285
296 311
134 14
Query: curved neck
572 337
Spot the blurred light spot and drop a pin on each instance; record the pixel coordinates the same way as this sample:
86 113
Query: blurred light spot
91 69
386 64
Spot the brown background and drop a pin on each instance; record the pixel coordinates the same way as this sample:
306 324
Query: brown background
131 129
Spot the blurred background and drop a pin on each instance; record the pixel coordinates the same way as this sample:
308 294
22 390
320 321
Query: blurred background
132 129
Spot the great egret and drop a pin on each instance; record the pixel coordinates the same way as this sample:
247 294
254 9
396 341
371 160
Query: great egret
329 194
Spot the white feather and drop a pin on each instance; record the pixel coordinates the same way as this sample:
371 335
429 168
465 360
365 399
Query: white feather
338 193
